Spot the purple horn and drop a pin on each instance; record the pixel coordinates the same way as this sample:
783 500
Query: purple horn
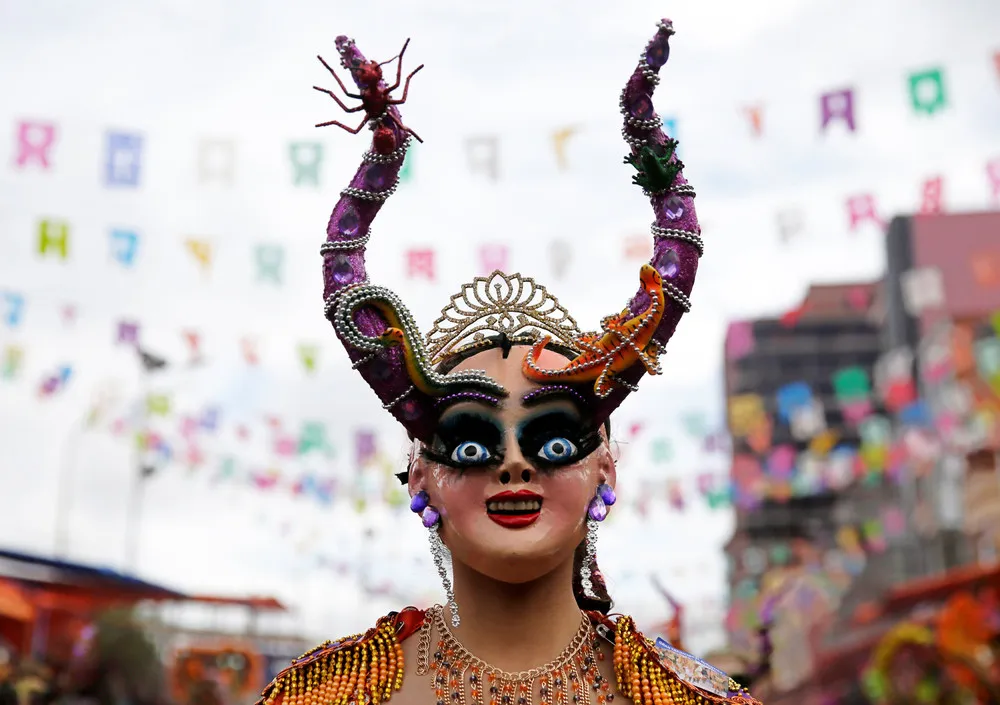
377 330
677 243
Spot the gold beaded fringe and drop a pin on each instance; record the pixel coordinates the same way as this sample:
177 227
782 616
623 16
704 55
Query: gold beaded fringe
361 670
643 678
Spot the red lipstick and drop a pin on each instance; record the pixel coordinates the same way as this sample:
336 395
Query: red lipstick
517 509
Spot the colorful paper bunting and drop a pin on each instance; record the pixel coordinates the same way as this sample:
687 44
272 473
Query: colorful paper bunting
158 405
755 116
484 156
269 259
34 144
53 236
420 264
306 158
308 354
201 250
314 438
662 451
559 139
406 171
927 94
249 348
493 257
739 340
128 333
124 243
13 357
123 165
861 209
13 308
791 224
837 106
932 195
560 256
217 161
923 290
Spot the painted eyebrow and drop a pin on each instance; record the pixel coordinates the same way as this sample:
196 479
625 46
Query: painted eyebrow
559 391
440 405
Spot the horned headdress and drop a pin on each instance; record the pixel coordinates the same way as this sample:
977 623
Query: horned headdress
407 369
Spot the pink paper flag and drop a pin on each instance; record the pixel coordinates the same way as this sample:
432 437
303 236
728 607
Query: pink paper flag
993 174
932 194
861 209
34 142
420 264
739 340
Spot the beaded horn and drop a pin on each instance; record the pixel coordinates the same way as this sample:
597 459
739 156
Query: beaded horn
380 335
629 343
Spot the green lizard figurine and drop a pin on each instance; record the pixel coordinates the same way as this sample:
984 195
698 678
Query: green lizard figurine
656 172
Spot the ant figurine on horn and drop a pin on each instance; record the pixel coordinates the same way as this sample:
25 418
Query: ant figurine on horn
375 98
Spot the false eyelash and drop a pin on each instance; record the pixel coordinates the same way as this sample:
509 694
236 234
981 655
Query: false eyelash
584 447
442 459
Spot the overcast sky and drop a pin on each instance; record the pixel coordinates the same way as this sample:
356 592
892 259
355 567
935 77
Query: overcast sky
183 71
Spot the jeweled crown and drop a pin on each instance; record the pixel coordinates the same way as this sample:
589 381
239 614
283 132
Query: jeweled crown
499 304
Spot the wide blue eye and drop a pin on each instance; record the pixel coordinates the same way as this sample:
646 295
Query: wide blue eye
558 450
470 453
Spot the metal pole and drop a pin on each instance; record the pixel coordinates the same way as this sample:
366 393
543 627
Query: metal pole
137 480
61 548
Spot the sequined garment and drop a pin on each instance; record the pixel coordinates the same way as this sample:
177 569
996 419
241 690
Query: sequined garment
368 668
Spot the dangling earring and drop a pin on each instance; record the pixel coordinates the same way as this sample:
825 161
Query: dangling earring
420 504
597 511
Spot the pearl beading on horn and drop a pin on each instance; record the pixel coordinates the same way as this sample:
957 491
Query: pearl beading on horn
371 157
369 195
354 298
357 243
677 295
685 235
388 405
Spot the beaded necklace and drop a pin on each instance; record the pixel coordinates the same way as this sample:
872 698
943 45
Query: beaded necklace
567 680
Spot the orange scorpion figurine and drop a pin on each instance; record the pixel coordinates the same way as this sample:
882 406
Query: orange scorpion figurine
626 340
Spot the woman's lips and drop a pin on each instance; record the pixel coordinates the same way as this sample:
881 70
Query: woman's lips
514 510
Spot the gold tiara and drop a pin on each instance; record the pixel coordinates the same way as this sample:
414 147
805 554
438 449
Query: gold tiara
499 304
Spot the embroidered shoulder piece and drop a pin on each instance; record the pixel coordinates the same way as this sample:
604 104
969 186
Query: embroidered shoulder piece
654 673
361 668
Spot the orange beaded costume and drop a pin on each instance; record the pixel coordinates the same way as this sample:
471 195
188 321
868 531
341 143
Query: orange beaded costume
368 668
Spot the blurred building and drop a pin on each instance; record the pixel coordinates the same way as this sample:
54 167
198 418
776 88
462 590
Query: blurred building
938 303
833 328
954 262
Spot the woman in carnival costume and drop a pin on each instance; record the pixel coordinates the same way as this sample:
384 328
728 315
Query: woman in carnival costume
508 406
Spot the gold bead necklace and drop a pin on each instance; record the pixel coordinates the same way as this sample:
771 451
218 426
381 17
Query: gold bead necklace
567 680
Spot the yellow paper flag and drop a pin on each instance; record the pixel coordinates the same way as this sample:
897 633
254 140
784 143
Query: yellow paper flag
202 251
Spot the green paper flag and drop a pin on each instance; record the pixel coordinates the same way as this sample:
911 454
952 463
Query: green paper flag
661 450
12 358
308 354
158 404
851 384
927 93
53 237
314 438
995 320
406 171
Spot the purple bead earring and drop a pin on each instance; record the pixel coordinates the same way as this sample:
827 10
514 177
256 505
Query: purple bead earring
421 504
604 497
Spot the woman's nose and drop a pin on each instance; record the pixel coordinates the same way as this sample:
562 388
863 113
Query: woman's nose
515 468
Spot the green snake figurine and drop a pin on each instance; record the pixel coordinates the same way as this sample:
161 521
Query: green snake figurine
656 172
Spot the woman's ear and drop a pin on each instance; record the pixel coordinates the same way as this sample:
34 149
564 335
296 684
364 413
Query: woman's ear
418 471
607 471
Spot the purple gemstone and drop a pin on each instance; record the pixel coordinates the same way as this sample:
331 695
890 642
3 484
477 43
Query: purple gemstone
641 107
411 410
348 223
419 502
607 494
597 510
668 263
658 50
673 207
343 271
375 177
430 516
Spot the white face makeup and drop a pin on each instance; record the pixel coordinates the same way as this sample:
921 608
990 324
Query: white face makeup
513 482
